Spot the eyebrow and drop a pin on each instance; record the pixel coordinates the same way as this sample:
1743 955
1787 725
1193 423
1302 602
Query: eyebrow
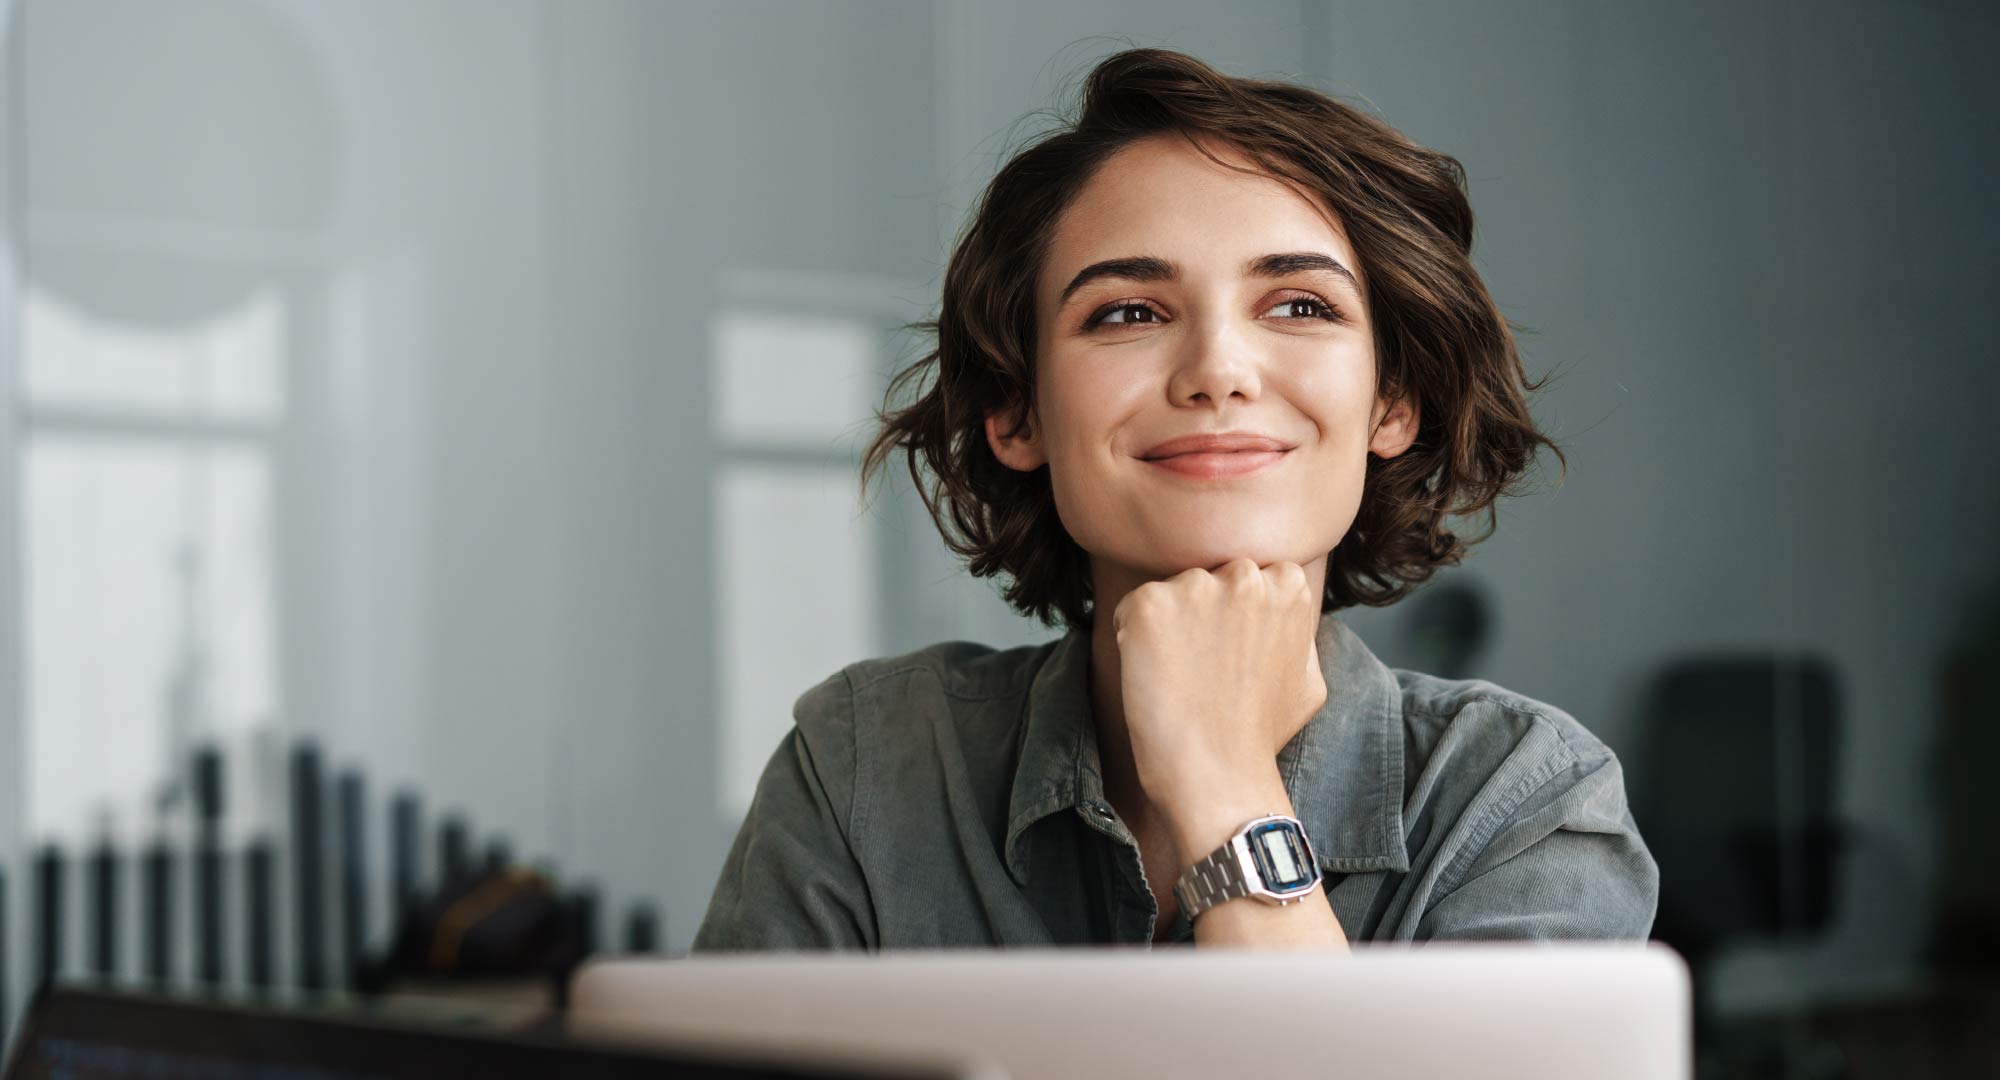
1150 268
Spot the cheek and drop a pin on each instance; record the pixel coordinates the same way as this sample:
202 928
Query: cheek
1085 405
1096 372
1083 408
1339 401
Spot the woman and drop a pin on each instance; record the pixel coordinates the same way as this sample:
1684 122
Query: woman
1212 363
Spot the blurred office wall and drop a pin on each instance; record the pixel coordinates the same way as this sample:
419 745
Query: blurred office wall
13 744
475 386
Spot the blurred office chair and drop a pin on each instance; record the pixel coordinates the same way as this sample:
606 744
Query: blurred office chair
1734 793
1735 798
1963 942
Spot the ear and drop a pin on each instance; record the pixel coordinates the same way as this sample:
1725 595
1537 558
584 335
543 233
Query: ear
1396 425
1021 450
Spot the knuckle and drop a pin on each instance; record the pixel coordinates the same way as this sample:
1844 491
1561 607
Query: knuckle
1139 603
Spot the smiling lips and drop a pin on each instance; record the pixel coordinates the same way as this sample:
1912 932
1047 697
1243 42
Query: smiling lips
1229 454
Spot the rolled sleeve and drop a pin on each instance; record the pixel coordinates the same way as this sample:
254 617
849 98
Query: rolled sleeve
1566 864
791 879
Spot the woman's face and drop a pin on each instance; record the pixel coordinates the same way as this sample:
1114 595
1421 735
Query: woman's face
1162 314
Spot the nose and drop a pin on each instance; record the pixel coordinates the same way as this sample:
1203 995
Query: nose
1216 365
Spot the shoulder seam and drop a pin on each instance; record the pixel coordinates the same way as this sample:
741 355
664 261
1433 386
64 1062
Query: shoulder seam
1522 705
1497 815
1013 687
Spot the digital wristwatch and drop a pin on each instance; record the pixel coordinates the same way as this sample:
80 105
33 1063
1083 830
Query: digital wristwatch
1268 858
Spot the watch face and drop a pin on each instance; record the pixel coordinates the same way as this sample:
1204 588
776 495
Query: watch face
1282 858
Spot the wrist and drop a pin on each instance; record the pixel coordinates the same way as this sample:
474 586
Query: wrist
1201 822
1269 858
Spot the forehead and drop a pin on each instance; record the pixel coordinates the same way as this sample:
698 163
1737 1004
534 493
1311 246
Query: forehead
1162 197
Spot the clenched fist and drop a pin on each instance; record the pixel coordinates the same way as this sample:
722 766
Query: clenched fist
1218 671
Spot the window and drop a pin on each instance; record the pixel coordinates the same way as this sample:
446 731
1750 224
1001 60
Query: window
798 363
148 499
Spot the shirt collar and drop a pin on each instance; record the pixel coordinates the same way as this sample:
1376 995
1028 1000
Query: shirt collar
1343 771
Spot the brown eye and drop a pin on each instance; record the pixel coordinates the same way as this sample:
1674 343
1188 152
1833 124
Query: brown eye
1138 315
1308 307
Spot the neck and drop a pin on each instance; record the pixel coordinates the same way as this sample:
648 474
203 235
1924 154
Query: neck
1109 584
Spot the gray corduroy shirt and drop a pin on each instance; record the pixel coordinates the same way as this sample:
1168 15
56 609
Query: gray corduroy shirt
952 796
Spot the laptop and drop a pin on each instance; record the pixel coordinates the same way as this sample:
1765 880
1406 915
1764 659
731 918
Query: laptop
1490 1009
94 1032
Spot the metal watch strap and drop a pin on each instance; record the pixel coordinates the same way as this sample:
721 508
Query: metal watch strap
1212 880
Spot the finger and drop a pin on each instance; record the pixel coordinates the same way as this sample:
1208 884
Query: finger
1287 576
1236 568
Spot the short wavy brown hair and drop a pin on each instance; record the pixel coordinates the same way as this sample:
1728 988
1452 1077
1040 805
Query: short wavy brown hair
1437 332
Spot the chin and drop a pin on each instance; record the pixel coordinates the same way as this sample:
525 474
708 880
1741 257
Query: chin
1184 556
1160 545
